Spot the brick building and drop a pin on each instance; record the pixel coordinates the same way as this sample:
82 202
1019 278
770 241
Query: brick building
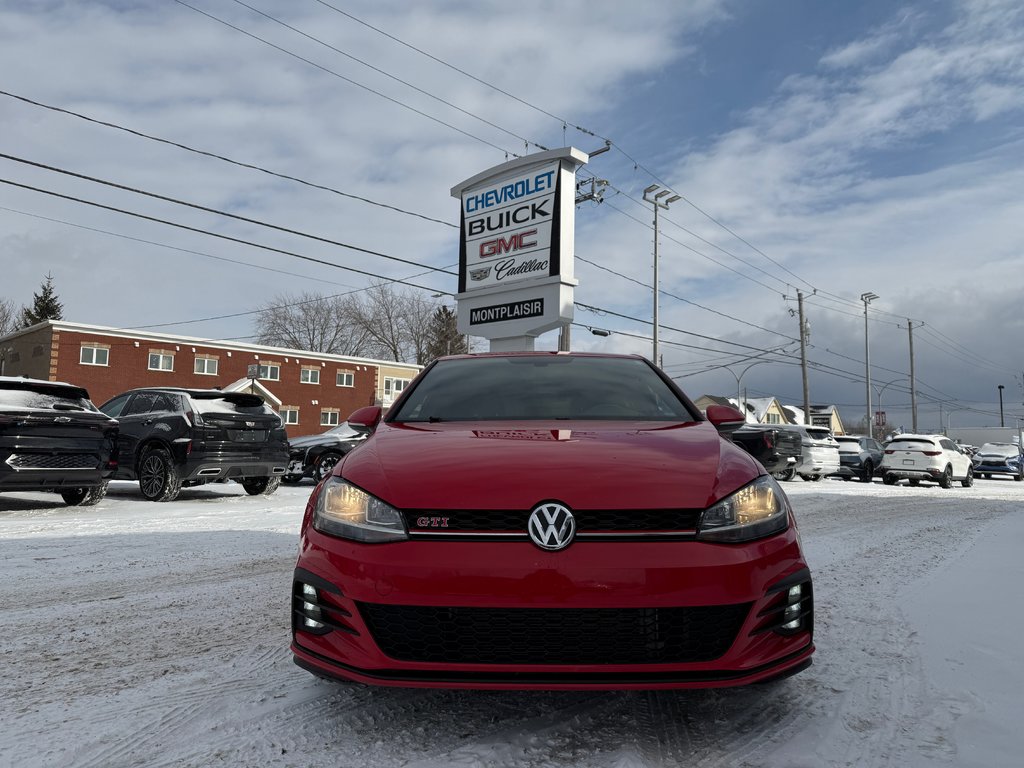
311 390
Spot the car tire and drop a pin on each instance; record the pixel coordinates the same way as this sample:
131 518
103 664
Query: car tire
869 472
946 479
159 479
85 497
784 474
291 479
1019 476
814 478
889 478
265 485
914 481
968 481
325 465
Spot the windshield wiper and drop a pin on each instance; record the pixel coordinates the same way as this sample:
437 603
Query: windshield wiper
67 407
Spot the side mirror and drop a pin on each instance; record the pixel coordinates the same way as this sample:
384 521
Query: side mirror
365 420
725 418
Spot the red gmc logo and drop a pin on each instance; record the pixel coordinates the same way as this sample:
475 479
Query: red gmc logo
513 242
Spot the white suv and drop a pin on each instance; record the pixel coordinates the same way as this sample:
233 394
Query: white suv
820 455
934 458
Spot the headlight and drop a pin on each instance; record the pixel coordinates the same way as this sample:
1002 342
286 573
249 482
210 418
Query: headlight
758 509
346 511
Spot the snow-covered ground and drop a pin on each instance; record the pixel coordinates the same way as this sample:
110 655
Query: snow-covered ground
144 634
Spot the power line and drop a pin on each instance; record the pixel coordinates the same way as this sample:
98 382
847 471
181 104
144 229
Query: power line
526 142
211 234
348 80
207 209
214 155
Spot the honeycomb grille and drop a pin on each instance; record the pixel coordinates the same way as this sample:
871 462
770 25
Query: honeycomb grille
587 521
553 635
54 461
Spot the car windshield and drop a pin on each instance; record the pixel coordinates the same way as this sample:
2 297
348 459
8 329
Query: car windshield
229 402
999 449
532 387
17 395
912 444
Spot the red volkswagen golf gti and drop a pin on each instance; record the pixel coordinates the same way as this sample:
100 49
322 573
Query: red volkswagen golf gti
550 520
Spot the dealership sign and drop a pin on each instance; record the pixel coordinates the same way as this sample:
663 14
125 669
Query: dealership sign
516 248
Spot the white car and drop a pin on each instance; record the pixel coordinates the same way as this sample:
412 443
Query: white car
934 458
820 454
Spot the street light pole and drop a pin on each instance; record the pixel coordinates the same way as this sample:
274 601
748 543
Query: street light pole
657 202
1001 424
867 298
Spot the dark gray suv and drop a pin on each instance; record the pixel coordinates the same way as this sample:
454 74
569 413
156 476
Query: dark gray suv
172 437
859 457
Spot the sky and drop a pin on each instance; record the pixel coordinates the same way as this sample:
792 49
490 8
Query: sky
822 149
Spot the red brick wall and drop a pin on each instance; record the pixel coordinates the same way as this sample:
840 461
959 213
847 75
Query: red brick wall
128 367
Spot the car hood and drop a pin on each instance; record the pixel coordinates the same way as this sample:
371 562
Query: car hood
590 465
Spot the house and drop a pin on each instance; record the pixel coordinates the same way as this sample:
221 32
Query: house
311 390
758 410
821 416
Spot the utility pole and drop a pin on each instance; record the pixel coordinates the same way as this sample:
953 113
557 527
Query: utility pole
867 298
913 381
657 202
803 356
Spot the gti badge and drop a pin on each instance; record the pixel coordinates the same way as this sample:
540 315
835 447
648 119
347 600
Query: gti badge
551 526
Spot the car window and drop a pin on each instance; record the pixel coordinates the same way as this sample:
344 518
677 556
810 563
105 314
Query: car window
43 395
912 444
530 387
999 449
114 407
949 445
141 403
229 402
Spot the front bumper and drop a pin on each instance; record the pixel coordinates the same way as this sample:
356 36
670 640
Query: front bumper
591 592
996 469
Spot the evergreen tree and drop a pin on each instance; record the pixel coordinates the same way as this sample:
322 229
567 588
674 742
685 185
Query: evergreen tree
443 337
45 306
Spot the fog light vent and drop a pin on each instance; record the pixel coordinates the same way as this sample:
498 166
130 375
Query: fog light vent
791 611
314 613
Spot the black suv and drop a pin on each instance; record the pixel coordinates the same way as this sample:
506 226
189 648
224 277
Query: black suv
172 437
52 438
315 455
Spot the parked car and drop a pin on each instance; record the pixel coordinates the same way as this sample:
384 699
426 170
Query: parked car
934 458
315 455
820 452
172 437
550 520
859 457
779 450
999 459
52 438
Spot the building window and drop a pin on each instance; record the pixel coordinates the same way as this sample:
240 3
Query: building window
393 387
346 379
161 361
270 371
206 366
330 418
309 375
92 355
772 418
289 415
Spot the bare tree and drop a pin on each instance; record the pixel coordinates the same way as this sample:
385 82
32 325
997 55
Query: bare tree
397 322
8 317
313 322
